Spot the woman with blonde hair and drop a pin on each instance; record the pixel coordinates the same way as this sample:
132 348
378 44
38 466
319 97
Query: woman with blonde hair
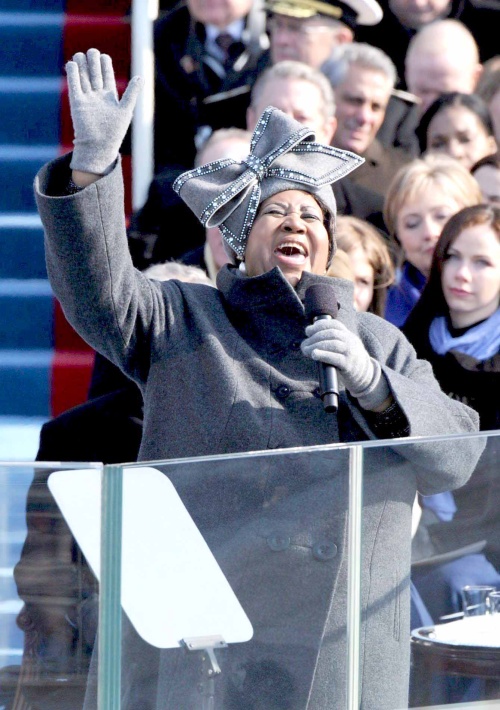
421 198
370 262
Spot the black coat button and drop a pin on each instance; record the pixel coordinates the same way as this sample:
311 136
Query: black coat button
277 542
282 392
324 550
295 345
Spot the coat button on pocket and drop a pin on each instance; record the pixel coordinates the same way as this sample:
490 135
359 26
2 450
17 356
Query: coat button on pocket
324 550
282 392
278 543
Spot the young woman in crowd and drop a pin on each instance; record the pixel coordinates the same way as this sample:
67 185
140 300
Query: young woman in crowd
421 198
458 125
370 262
456 327
486 172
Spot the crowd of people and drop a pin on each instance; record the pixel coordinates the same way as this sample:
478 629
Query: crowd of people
414 225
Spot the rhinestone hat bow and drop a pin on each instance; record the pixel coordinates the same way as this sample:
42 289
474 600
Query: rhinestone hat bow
283 156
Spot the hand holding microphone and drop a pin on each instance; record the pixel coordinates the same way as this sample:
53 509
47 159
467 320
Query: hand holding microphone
330 342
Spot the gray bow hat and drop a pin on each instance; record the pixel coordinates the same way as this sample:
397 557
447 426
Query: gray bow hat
283 156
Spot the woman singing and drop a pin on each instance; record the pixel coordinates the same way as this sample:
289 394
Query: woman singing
234 369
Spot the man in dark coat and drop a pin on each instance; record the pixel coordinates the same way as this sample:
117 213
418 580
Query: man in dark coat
207 58
403 18
310 34
443 57
363 78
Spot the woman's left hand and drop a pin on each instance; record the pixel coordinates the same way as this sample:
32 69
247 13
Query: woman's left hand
100 118
329 341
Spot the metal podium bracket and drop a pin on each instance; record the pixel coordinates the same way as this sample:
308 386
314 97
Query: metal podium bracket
210 669
207 644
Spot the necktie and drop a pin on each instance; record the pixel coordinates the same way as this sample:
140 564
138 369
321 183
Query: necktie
230 47
224 40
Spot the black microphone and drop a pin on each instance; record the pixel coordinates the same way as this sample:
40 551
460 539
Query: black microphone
320 302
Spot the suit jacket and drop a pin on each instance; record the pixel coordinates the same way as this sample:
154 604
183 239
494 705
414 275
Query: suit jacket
164 228
380 166
400 121
193 90
359 201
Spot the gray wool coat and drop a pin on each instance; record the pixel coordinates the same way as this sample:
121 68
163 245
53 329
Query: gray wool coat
221 371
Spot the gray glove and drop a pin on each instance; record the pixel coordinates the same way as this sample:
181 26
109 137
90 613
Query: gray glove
100 120
329 341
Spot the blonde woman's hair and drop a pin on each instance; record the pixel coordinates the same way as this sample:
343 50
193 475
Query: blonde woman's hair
431 170
340 268
353 232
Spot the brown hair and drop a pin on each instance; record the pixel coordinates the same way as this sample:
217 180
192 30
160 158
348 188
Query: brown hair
340 268
353 232
432 302
492 161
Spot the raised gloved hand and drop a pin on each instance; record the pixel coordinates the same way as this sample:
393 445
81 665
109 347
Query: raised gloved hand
329 341
100 120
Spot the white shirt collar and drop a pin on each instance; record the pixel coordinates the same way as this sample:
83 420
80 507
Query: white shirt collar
235 29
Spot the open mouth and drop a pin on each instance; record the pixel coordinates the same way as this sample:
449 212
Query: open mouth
291 250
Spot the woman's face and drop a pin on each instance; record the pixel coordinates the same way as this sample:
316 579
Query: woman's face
364 278
471 276
456 131
419 224
288 232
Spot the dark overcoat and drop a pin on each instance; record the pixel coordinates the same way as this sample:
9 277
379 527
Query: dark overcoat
380 166
221 371
193 90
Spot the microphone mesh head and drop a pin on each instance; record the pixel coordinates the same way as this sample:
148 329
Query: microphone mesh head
320 300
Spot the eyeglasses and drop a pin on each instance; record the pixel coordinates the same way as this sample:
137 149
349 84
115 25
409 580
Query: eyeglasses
279 23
